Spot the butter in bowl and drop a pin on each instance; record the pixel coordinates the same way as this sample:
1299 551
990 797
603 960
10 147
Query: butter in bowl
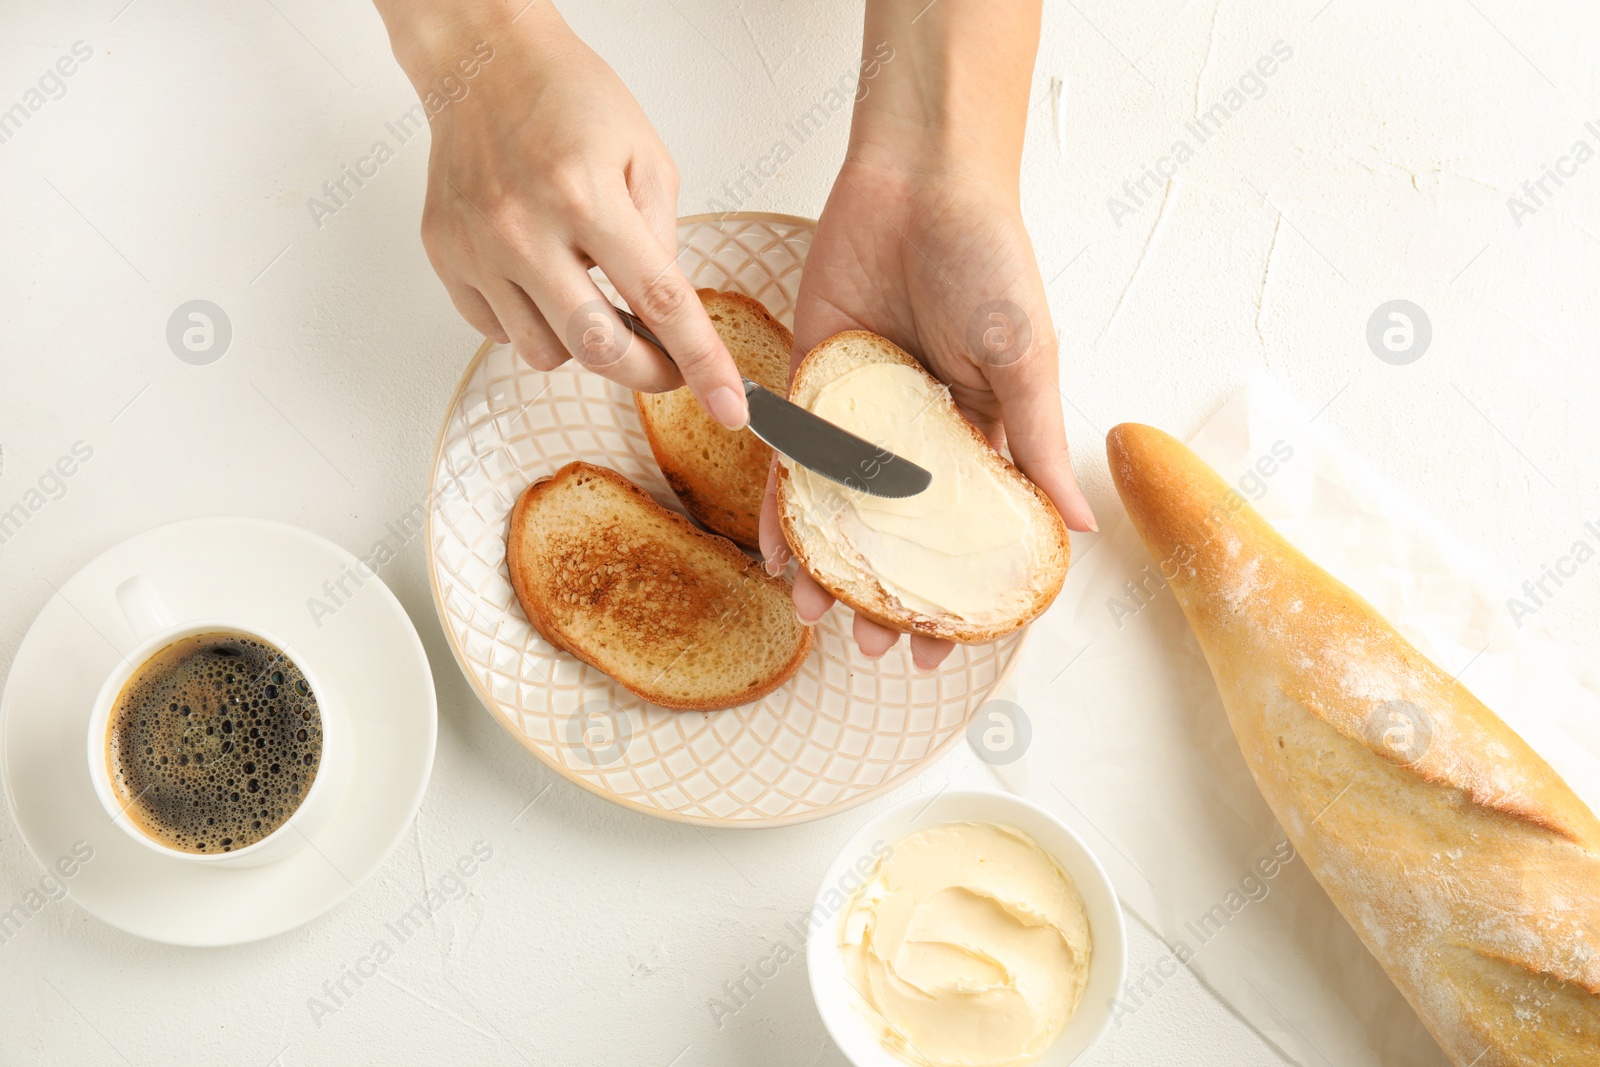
969 928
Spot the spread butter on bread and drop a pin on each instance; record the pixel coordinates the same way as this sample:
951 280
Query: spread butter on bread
677 616
1469 869
973 557
720 475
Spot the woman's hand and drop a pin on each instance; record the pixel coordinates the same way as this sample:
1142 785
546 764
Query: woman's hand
922 241
544 168
946 271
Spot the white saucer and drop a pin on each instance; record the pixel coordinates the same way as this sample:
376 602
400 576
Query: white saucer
206 568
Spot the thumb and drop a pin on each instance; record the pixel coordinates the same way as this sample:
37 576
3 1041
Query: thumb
1030 409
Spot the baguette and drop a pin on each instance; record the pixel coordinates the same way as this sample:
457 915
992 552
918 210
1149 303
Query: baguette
720 475
677 616
1465 864
978 554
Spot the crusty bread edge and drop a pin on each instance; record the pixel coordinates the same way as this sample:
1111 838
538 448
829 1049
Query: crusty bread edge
1546 802
690 500
944 627
544 623
1149 466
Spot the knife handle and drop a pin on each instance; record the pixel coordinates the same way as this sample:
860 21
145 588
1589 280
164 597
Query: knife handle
636 325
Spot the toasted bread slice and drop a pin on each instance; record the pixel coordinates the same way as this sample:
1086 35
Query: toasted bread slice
973 557
674 614
720 475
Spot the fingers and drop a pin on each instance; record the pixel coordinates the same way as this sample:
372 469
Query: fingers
774 549
928 652
874 640
983 411
476 310
653 185
530 335
589 327
655 287
538 285
1030 406
811 601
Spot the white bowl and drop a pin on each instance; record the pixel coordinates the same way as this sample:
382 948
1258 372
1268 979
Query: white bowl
838 1002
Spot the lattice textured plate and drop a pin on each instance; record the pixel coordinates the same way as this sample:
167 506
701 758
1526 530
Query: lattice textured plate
843 730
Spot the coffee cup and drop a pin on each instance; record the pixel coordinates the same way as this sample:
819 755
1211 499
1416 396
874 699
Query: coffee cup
223 792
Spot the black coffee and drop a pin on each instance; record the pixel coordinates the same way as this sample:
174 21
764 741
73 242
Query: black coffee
214 742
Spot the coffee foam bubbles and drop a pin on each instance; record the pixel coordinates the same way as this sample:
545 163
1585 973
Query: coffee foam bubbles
214 742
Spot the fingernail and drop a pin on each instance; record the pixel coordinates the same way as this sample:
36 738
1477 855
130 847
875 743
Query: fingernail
808 622
1088 514
727 406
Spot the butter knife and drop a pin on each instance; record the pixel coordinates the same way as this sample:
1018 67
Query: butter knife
814 442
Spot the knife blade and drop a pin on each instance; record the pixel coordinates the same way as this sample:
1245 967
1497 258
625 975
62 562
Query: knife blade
814 442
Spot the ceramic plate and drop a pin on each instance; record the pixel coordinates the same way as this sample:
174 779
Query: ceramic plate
842 731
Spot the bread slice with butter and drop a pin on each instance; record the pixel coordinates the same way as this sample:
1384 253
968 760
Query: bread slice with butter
973 557
720 475
677 616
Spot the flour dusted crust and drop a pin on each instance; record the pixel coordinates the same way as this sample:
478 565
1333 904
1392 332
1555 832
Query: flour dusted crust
829 360
1465 864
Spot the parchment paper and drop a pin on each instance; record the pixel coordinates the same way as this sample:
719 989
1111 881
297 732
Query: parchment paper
1131 746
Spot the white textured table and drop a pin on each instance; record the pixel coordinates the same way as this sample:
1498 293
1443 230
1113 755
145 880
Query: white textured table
1374 163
